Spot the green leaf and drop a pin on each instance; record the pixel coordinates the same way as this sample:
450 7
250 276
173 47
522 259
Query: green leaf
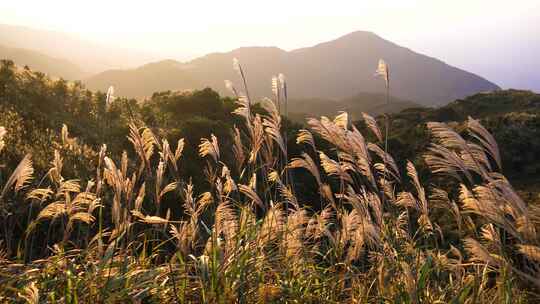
463 294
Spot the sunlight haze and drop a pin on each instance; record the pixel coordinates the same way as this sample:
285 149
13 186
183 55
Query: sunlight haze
183 30
283 151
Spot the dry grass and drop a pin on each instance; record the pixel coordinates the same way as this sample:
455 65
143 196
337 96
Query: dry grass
250 238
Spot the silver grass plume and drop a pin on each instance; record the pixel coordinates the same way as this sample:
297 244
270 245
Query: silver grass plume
153 220
486 139
179 149
372 125
110 97
283 85
209 147
248 191
238 68
230 86
276 90
282 90
384 71
333 168
342 120
30 293
238 149
143 141
479 253
388 162
2 134
307 163
160 171
272 123
305 137
20 176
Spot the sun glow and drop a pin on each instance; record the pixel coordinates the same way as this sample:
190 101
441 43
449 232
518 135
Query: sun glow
241 21
186 29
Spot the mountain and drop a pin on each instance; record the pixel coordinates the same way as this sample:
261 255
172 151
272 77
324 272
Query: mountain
498 105
336 69
91 57
40 62
511 116
371 103
147 79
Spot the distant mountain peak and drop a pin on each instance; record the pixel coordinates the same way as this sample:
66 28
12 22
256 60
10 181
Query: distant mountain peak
359 34
37 61
244 49
334 69
90 56
351 40
166 63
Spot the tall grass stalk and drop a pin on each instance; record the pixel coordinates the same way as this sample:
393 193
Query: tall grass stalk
250 237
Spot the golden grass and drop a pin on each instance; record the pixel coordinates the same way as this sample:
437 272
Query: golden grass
373 235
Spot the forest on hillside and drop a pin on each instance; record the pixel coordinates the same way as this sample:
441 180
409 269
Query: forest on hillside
39 106
195 197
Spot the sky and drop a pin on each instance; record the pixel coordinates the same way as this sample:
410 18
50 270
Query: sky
496 39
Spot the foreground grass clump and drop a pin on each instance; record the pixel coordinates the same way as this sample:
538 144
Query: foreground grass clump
374 234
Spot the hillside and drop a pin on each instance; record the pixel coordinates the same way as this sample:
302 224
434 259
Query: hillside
335 69
91 57
41 62
493 105
512 116
190 202
372 103
147 79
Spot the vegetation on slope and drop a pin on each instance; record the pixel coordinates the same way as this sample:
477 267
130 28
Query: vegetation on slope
335 69
41 62
135 227
90 57
371 103
512 116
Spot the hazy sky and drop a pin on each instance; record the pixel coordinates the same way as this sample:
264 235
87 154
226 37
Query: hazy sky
499 40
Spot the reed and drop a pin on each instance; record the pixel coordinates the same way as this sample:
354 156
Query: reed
377 235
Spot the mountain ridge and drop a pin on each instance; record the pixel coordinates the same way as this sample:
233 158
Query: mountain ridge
333 69
91 57
38 61
372 103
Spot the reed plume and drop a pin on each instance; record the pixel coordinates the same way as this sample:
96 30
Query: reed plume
364 228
